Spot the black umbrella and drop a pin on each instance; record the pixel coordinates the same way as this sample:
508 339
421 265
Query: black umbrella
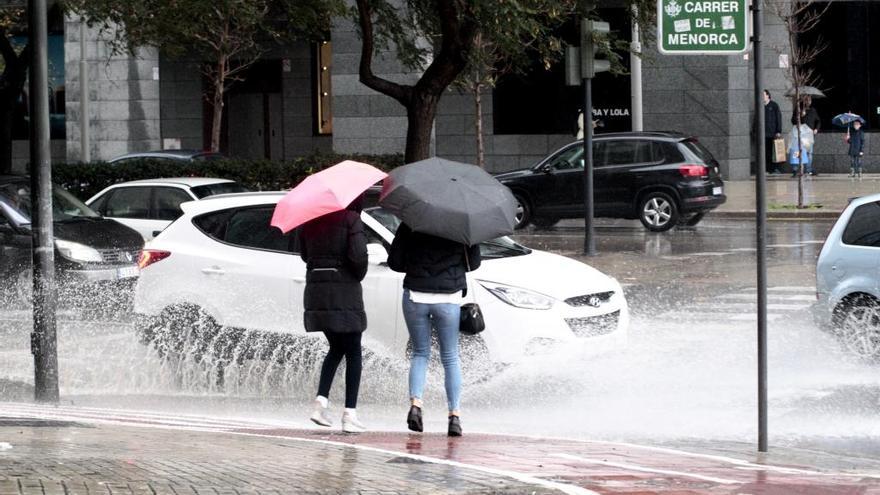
448 199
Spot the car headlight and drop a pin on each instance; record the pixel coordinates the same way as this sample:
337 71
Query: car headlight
78 252
518 297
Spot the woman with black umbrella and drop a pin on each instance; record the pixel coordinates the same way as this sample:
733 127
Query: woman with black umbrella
434 286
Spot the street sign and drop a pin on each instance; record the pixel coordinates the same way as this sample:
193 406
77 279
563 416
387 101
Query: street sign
703 27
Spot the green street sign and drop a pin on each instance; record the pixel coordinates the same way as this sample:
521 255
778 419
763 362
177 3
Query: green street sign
703 27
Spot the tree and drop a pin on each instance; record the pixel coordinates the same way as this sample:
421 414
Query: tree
230 34
799 17
441 38
13 76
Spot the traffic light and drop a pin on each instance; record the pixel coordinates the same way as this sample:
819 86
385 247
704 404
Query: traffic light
589 48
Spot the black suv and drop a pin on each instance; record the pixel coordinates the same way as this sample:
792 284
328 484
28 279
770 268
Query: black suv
661 178
89 250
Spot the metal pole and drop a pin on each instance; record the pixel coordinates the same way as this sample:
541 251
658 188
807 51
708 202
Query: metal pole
589 237
635 70
86 151
43 341
761 222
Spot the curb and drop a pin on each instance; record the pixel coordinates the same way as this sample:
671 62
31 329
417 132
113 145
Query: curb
806 214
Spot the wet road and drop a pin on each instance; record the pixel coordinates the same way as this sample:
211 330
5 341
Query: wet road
687 374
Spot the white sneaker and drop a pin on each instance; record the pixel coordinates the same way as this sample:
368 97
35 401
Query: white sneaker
350 423
321 414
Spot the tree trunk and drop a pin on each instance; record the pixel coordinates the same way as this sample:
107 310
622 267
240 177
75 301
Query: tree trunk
217 102
478 123
420 121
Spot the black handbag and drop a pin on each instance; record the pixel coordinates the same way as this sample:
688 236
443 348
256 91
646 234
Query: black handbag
471 321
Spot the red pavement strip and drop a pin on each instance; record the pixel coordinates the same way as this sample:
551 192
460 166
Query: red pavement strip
576 467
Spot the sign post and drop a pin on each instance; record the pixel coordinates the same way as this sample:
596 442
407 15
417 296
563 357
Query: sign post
702 27
721 27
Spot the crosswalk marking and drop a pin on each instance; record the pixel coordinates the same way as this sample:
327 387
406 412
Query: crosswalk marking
741 305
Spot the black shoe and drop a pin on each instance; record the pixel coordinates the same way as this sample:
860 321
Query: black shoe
454 426
414 418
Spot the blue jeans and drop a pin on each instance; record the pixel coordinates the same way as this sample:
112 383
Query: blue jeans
856 163
420 319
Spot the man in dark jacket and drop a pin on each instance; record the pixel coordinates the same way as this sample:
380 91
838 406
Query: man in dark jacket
772 131
334 248
434 285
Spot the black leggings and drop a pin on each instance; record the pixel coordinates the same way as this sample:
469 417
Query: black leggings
346 345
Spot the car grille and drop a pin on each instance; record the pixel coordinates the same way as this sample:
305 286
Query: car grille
593 326
602 297
119 256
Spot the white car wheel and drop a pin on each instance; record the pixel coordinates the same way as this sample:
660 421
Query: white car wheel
859 328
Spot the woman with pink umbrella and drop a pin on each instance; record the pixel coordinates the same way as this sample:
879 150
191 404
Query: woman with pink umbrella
334 247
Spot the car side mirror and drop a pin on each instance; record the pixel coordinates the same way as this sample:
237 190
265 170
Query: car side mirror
546 168
377 254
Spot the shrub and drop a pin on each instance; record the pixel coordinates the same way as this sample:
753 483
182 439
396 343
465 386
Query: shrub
87 179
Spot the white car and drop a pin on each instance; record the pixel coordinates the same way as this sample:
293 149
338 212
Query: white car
223 264
148 206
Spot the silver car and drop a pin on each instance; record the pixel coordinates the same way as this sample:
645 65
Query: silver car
848 278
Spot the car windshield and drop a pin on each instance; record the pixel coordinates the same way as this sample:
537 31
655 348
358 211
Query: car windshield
17 196
502 247
218 188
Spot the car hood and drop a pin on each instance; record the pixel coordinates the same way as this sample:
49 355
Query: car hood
516 174
98 233
547 273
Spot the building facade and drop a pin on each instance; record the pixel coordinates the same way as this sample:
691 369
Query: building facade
308 97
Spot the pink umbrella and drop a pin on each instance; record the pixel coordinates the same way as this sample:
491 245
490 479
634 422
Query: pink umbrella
329 190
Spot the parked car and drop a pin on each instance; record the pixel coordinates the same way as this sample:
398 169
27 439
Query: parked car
169 155
148 206
848 278
222 265
90 251
661 178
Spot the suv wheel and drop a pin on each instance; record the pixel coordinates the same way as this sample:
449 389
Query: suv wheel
858 325
523 211
658 212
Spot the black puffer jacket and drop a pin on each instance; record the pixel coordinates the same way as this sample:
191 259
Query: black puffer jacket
334 248
432 264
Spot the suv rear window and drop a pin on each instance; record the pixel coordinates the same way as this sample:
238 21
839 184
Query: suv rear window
698 149
247 228
863 228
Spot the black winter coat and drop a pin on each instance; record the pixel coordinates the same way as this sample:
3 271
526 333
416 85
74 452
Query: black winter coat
856 142
772 119
334 248
810 117
432 264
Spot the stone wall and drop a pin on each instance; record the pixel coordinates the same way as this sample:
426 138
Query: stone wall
123 93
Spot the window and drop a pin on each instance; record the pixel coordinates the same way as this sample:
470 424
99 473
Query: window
219 188
128 202
168 201
99 204
628 152
539 102
849 67
323 95
248 228
568 159
863 228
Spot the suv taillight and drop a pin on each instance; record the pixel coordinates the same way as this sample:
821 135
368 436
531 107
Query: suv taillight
693 171
150 256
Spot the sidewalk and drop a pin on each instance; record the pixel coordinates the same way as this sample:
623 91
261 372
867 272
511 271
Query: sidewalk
72 450
831 191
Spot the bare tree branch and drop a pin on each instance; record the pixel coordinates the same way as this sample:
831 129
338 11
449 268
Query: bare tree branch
399 92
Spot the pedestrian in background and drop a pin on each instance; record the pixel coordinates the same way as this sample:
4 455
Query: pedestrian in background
809 117
334 248
434 286
856 149
803 154
772 131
